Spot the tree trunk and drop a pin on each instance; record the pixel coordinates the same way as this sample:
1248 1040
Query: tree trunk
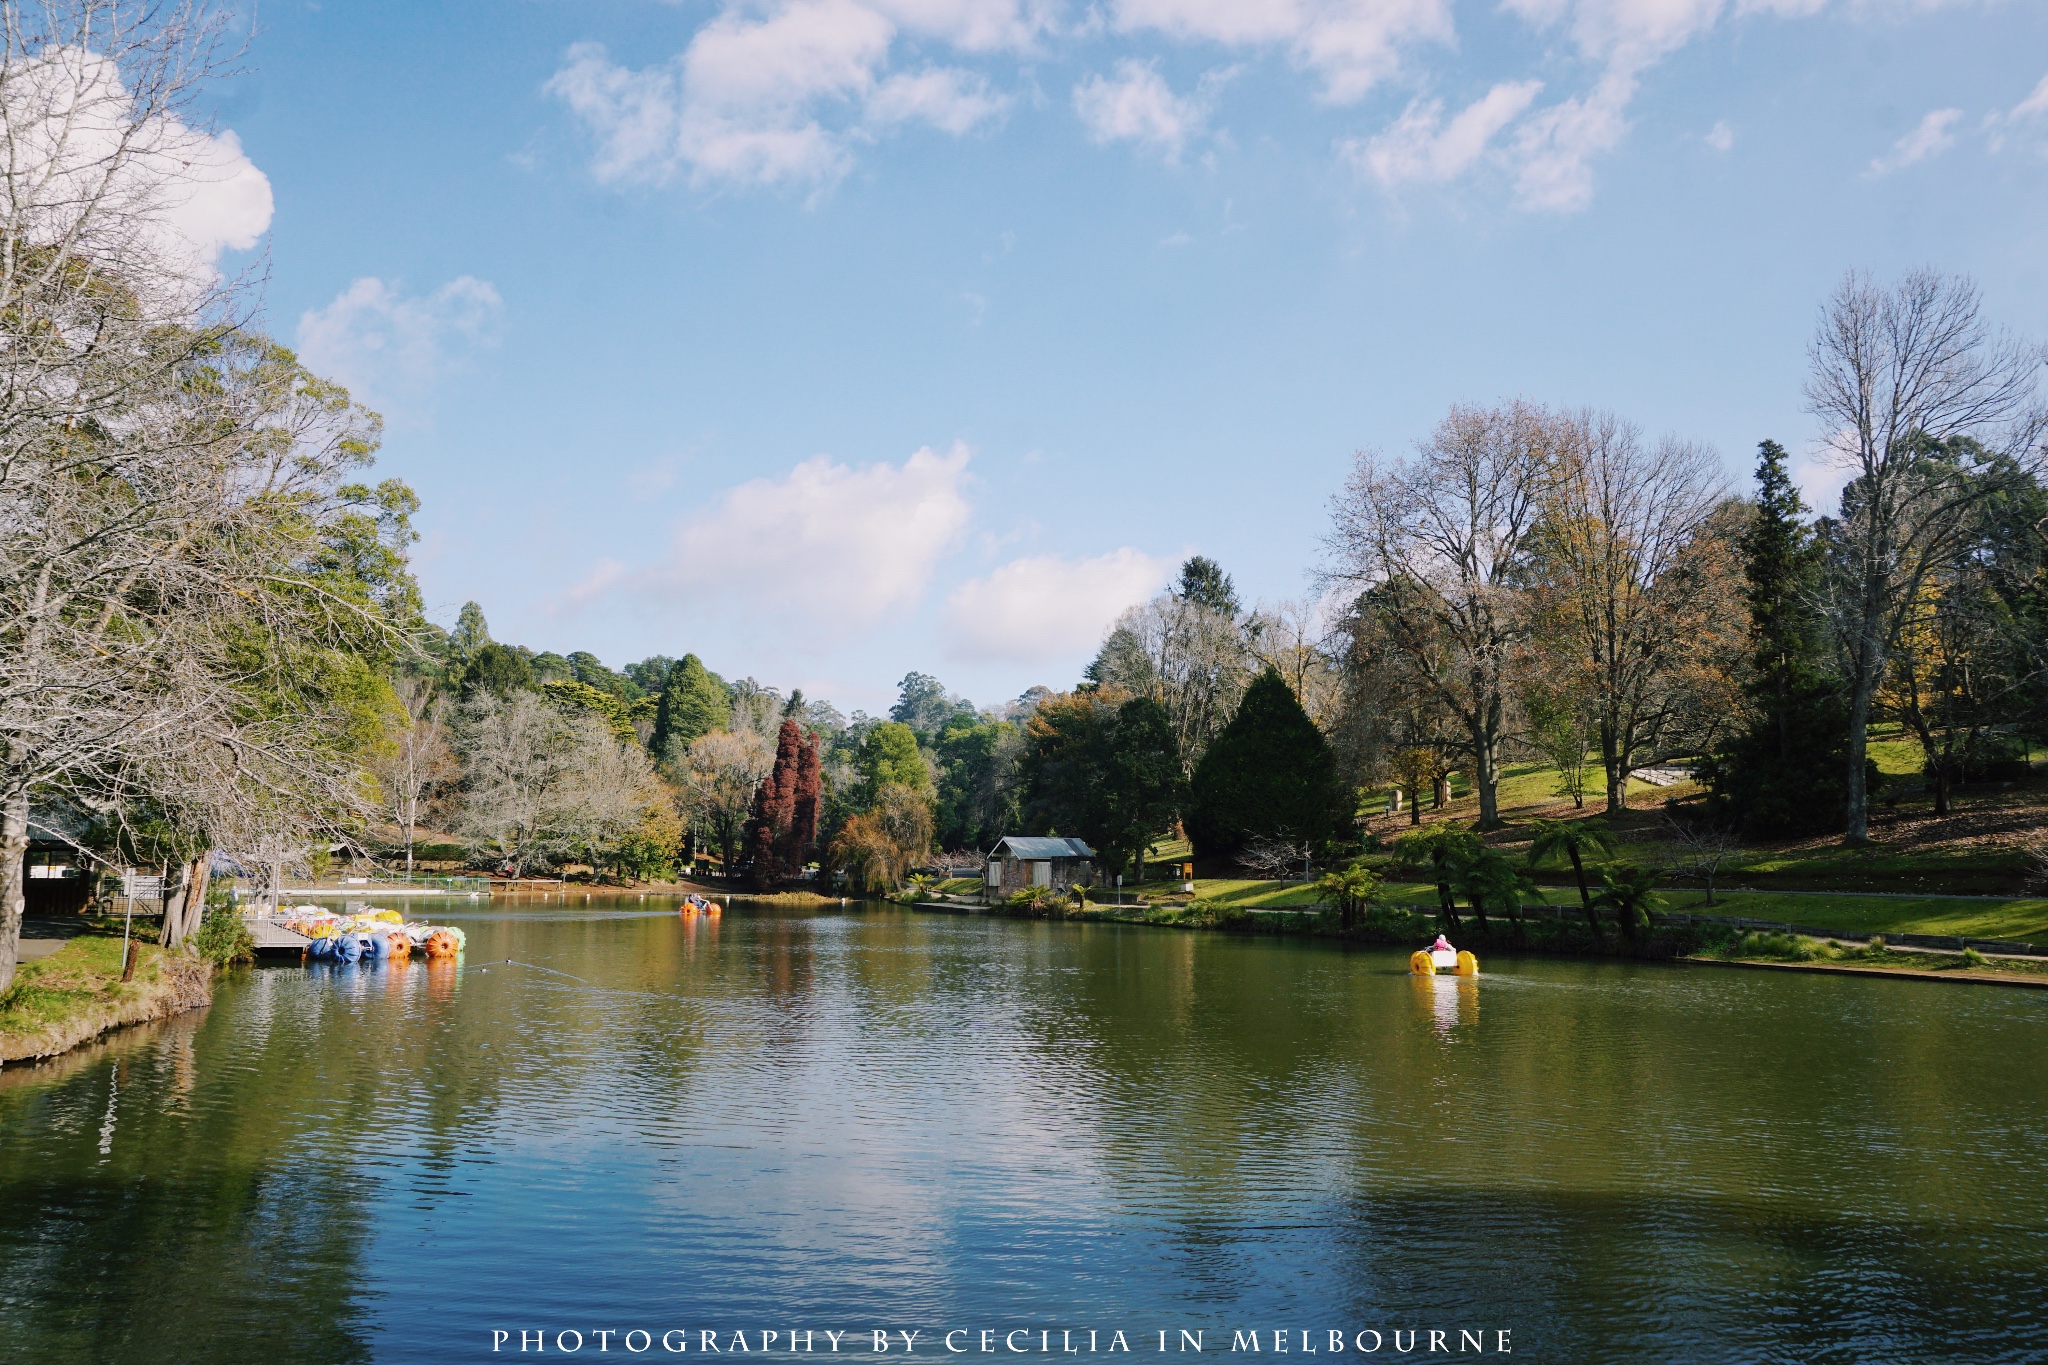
198 876
1447 904
1585 896
1858 823
173 931
1611 768
13 871
1941 789
1479 911
1486 778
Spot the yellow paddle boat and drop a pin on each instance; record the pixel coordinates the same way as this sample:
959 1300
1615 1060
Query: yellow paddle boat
1440 958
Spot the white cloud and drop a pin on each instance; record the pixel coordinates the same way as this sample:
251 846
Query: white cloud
2018 118
825 548
1720 137
2034 105
177 195
1420 146
1137 105
778 97
1820 479
1556 145
1042 609
634 114
388 345
950 100
1352 45
1930 138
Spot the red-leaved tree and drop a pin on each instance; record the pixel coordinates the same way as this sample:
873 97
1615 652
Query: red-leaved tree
771 823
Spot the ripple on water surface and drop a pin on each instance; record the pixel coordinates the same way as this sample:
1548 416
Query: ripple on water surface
877 1118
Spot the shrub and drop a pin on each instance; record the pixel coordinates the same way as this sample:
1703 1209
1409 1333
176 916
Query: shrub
222 939
1038 902
1213 915
1973 958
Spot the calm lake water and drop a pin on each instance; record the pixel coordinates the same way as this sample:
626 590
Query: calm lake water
882 1119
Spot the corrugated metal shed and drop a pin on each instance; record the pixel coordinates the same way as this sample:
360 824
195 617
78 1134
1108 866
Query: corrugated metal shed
1030 847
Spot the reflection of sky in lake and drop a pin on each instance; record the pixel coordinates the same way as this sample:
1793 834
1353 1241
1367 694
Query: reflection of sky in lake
883 1119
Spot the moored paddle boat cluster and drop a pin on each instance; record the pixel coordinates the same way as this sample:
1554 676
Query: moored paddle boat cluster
372 936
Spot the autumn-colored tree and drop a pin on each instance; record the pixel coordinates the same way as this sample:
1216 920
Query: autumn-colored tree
769 825
807 796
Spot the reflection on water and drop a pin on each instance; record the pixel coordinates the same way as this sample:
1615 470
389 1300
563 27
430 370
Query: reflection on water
1448 1001
612 1116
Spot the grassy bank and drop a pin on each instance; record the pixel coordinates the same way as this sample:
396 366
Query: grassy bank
2017 920
1767 949
77 993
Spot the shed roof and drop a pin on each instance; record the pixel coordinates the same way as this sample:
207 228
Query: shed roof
1023 846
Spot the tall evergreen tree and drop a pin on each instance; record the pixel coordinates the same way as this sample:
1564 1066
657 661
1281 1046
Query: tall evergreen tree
470 635
806 803
1203 582
1779 557
774 814
693 703
1785 773
1269 774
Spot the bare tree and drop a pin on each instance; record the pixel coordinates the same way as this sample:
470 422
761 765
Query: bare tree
719 775
1621 581
615 793
1930 411
1699 850
1436 545
1188 657
1275 859
1291 638
184 573
417 765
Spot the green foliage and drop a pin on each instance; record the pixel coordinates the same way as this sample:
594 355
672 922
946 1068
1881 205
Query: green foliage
1492 881
974 807
470 635
549 666
1105 772
642 858
1206 914
923 704
497 669
1270 773
1351 891
581 696
693 703
1203 582
1038 902
889 757
589 670
1443 849
1571 840
1788 772
1629 894
222 938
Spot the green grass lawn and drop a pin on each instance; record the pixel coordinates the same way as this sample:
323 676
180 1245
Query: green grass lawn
2021 919
83 972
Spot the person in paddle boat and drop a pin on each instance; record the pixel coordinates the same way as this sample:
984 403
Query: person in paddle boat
1440 956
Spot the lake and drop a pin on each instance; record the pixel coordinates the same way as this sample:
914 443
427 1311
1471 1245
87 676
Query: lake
877 1119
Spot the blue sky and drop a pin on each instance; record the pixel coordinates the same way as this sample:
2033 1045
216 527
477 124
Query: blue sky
838 338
